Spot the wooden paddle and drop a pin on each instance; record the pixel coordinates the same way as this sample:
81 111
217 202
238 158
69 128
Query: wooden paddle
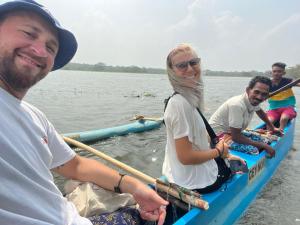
285 87
160 185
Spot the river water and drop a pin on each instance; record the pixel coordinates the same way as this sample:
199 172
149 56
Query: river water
78 101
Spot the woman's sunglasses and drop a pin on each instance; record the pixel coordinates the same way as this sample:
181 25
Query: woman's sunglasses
184 65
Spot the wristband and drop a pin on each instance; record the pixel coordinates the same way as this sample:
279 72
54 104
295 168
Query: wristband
117 188
219 151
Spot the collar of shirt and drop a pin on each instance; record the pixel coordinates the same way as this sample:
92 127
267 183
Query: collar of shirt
250 107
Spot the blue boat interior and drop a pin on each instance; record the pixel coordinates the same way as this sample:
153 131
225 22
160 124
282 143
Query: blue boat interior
228 203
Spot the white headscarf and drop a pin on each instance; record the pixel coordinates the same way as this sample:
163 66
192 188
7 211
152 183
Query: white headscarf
191 90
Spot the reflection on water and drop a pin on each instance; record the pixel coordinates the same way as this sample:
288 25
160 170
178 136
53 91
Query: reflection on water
77 101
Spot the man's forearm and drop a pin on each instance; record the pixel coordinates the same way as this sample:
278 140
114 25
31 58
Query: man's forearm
241 139
238 137
263 116
89 170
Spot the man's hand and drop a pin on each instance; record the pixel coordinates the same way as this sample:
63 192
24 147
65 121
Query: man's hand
276 131
271 152
151 206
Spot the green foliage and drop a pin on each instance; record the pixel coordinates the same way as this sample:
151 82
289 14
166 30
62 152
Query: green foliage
293 71
101 67
233 74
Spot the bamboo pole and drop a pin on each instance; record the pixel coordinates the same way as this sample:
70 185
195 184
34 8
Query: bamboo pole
189 199
285 87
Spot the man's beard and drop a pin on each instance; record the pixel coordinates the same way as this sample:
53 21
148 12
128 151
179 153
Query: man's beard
17 79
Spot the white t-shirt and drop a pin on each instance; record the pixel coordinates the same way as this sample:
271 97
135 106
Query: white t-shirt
29 148
236 112
183 120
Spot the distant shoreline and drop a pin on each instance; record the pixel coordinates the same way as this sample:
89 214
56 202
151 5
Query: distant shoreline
101 67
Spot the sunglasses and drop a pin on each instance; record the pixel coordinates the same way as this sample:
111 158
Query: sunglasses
184 65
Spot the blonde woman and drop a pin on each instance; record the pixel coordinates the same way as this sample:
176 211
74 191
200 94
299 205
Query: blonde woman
189 160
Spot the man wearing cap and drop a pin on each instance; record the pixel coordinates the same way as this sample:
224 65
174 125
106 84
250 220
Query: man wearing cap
33 43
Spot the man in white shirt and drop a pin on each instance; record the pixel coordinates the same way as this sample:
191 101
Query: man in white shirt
32 43
233 116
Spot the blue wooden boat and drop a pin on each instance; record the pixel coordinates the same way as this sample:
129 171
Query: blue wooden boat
227 205
96 135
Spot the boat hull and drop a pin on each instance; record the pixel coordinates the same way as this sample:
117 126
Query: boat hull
228 204
96 135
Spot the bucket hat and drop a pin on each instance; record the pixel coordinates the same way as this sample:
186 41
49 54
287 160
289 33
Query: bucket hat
67 41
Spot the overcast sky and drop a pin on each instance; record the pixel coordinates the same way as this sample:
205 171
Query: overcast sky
229 35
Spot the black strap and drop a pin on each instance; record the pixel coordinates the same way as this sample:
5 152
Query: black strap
210 131
213 137
167 100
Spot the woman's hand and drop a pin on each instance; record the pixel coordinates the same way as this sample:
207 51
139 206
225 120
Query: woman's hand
223 148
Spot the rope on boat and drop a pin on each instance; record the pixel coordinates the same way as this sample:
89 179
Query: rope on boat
263 134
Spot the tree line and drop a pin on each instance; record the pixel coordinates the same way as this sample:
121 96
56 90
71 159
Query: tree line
294 71
102 67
